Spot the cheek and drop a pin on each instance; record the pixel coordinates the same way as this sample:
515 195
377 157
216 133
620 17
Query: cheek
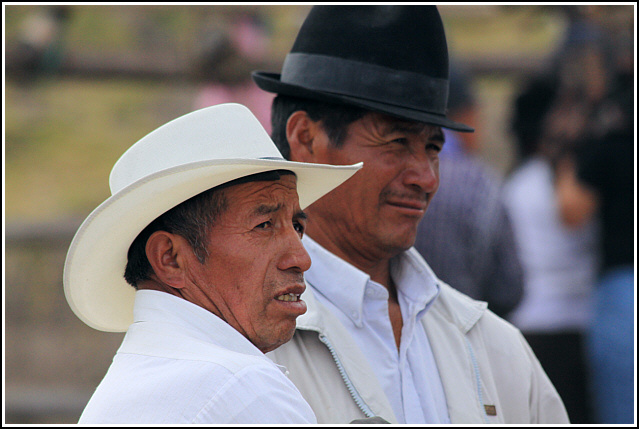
248 305
238 279
360 194
380 179
246 283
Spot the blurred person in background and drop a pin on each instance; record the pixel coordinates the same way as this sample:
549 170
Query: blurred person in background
382 334
229 52
599 182
41 43
466 234
584 132
559 263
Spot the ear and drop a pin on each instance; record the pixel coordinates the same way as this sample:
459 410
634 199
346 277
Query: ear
301 133
166 253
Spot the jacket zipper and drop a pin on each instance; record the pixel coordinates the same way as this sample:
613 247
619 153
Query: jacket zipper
478 380
351 389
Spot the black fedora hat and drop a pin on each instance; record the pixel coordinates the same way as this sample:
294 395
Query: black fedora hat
390 59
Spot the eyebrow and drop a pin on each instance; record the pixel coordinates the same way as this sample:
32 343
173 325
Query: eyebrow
414 128
265 209
439 136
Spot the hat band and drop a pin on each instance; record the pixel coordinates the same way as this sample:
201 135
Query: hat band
366 81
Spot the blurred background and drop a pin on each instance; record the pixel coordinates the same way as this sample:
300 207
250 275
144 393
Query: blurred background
85 82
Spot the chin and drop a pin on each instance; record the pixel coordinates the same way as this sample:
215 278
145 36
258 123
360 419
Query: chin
400 243
275 343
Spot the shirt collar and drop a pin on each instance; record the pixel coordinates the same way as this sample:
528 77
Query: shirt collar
329 274
191 320
417 284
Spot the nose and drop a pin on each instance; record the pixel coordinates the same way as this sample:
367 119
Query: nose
422 171
295 257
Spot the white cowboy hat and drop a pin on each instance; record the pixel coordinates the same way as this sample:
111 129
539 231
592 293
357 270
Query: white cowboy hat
177 161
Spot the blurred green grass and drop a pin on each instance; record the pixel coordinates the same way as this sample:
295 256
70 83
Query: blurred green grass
502 30
63 136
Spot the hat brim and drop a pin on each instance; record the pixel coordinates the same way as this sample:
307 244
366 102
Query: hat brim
271 82
94 282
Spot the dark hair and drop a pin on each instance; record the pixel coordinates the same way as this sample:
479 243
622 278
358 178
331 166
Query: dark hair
531 106
334 118
192 219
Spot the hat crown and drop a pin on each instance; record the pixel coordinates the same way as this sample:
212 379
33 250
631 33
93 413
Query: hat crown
406 38
388 59
207 134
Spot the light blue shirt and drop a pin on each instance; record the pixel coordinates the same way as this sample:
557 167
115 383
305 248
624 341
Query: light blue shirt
409 377
180 363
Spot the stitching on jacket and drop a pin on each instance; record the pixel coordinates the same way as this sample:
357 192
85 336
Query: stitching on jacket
478 379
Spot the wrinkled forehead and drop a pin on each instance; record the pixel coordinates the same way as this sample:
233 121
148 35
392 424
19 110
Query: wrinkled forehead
277 194
271 175
385 124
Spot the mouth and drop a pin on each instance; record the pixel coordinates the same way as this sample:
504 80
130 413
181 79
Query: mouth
410 206
292 293
288 297
291 302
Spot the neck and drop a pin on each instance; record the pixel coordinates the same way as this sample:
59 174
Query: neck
376 266
154 284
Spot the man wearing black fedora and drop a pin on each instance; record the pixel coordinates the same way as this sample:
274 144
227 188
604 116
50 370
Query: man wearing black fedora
383 335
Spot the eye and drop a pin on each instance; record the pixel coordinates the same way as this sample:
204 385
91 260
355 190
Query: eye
435 146
299 227
401 141
264 225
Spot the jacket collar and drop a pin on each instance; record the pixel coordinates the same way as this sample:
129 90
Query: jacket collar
456 308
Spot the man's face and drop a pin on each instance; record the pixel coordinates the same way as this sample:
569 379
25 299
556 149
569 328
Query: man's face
376 212
253 274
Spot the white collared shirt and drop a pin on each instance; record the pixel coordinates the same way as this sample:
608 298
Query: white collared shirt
179 363
409 377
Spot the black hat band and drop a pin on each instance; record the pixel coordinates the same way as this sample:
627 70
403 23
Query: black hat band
366 81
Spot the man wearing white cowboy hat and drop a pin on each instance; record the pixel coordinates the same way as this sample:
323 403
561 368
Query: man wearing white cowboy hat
382 334
198 256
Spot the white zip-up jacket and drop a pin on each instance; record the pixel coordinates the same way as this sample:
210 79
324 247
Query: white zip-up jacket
489 373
